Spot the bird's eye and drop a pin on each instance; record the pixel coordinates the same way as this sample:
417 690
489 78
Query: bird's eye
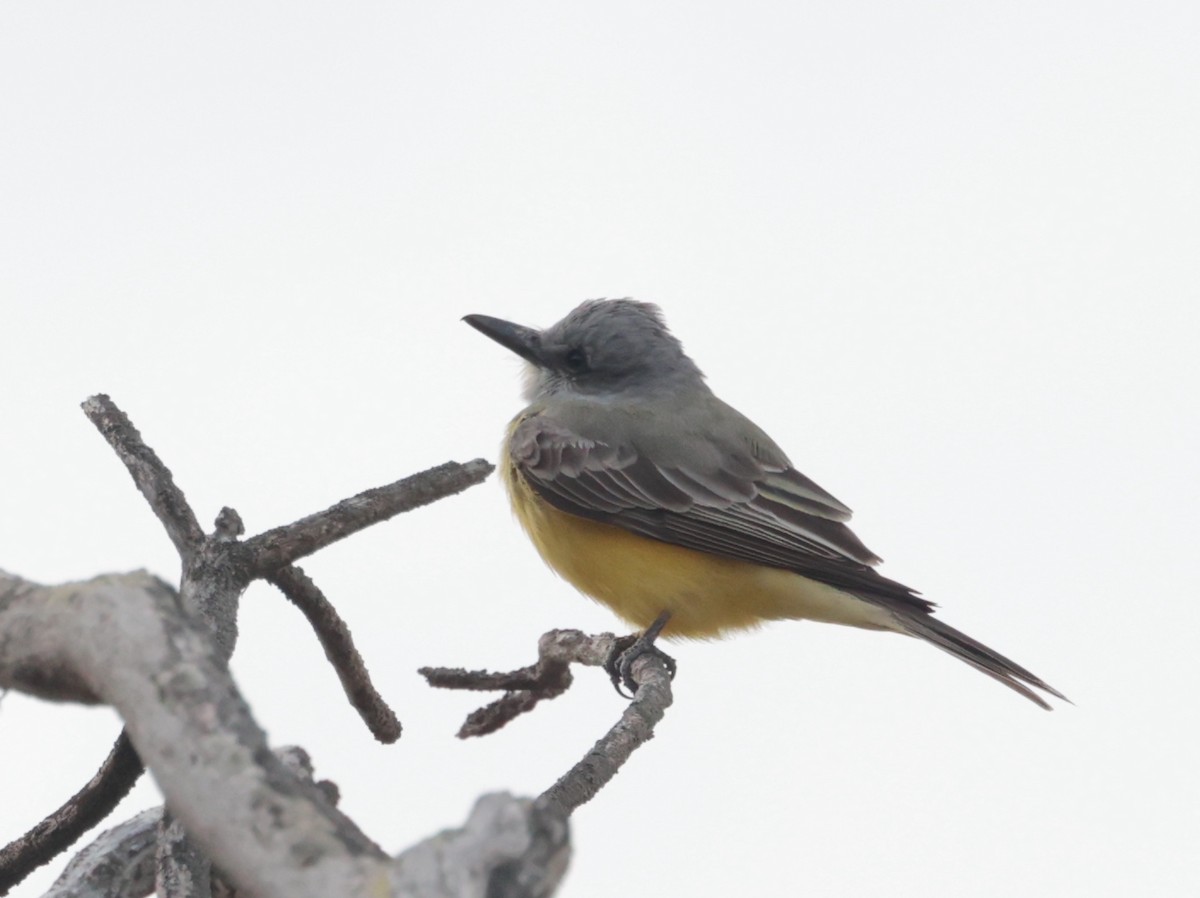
575 360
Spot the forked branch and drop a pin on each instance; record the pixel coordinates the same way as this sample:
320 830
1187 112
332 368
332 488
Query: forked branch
548 678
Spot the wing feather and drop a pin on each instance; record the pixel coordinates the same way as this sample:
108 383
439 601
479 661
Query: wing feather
791 488
741 508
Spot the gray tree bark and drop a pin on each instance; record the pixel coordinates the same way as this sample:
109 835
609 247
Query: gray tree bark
159 656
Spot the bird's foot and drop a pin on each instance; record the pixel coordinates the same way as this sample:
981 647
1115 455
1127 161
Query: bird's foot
627 649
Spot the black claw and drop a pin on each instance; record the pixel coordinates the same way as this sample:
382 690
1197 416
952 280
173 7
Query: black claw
613 665
628 649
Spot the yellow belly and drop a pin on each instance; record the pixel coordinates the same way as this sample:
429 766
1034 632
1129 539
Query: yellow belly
639 578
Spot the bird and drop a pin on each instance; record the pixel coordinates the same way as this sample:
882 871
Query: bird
648 493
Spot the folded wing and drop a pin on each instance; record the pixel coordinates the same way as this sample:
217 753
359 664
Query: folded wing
742 506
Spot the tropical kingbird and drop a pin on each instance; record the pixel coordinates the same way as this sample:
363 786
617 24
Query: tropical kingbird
648 493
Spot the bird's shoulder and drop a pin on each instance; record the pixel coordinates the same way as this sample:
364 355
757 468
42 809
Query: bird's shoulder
698 432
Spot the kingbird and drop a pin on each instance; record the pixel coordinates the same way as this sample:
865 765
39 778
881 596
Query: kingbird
648 493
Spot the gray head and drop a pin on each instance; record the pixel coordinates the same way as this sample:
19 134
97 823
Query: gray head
604 347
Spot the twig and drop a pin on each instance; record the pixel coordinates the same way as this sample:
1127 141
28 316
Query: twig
339 648
276 548
83 810
217 569
582 782
547 678
550 677
152 477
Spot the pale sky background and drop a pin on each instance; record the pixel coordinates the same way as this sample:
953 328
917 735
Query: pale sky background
946 254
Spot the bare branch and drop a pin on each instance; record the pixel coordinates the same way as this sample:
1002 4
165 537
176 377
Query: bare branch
549 677
181 870
121 770
273 549
83 810
509 848
165 680
582 782
152 477
118 864
128 640
339 648
272 834
212 579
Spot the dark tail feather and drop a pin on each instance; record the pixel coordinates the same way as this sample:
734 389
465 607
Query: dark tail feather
979 656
